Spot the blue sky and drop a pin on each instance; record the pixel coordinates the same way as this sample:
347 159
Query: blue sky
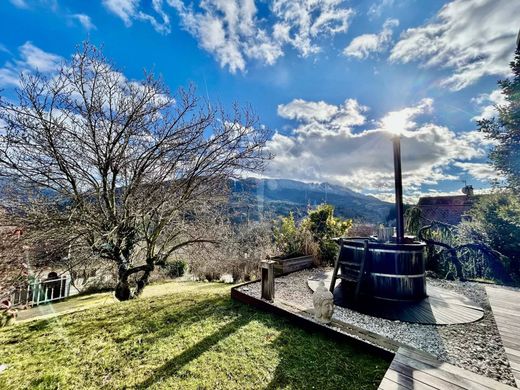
329 77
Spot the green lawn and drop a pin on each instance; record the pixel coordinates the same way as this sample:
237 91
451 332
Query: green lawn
179 336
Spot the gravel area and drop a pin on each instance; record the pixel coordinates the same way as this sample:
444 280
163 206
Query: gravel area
475 346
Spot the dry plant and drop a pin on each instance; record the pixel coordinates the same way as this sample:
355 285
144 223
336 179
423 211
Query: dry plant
243 247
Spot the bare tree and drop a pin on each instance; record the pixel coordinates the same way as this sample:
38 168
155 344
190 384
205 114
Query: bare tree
117 168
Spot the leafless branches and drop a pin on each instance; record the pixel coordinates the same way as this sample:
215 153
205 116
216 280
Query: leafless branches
120 168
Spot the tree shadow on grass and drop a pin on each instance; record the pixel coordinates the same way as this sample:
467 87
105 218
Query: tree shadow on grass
308 359
143 330
305 359
152 321
172 366
155 320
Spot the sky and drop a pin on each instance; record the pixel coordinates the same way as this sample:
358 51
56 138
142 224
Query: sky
332 79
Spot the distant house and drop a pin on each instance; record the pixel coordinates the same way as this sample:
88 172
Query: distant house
447 209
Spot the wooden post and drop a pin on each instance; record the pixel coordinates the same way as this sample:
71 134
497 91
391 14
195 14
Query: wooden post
267 270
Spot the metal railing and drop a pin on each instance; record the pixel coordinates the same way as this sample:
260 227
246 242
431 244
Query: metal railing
39 292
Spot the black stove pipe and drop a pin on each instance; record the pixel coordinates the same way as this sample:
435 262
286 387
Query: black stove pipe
398 190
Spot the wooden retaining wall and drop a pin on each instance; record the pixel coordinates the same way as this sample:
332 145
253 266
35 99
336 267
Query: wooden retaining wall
286 266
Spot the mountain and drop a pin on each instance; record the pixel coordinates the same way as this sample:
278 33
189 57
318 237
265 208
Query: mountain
251 198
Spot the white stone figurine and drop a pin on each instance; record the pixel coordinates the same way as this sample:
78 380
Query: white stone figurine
323 302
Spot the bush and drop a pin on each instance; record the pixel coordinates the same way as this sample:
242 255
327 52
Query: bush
176 269
324 227
413 220
495 221
238 253
487 245
292 240
314 236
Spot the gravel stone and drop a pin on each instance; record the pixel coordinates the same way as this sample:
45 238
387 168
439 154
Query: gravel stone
475 346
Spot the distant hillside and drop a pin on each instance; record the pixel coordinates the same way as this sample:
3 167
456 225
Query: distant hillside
251 198
272 197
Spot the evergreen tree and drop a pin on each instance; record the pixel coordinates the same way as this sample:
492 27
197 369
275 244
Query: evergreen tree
505 129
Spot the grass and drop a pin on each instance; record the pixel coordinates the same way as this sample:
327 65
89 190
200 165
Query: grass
181 336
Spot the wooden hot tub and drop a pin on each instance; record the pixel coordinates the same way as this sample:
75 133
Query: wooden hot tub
393 271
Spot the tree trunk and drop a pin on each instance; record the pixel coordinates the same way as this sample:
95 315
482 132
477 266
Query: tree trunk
143 281
122 291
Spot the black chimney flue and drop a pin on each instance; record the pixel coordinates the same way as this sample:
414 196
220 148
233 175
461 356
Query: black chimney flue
398 190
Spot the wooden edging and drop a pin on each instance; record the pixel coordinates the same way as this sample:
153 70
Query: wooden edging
308 324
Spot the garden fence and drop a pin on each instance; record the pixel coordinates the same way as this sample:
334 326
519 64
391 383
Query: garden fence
39 292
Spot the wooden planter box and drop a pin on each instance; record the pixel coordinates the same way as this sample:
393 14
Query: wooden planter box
286 266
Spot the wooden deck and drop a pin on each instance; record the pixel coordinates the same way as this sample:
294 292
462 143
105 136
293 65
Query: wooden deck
505 304
415 370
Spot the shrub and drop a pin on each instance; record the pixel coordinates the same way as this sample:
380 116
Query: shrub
238 253
314 235
324 227
292 240
495 220
176 269
487 245
413 220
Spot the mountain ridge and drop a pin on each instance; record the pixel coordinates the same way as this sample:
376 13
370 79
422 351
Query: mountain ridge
254 198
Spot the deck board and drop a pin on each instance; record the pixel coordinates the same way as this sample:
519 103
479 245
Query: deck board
413 370
505 304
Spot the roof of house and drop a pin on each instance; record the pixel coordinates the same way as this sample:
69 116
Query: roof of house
446 209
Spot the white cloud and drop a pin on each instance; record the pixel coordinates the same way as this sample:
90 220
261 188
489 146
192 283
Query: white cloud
232 31
376 9
300 22
487 103
473 38
229 30
37 59
8 76
323 147
19 3
125 9
31 58
300 109
362 46
27 4
129 10
397 122
161 23
84 20
323 118
480 171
